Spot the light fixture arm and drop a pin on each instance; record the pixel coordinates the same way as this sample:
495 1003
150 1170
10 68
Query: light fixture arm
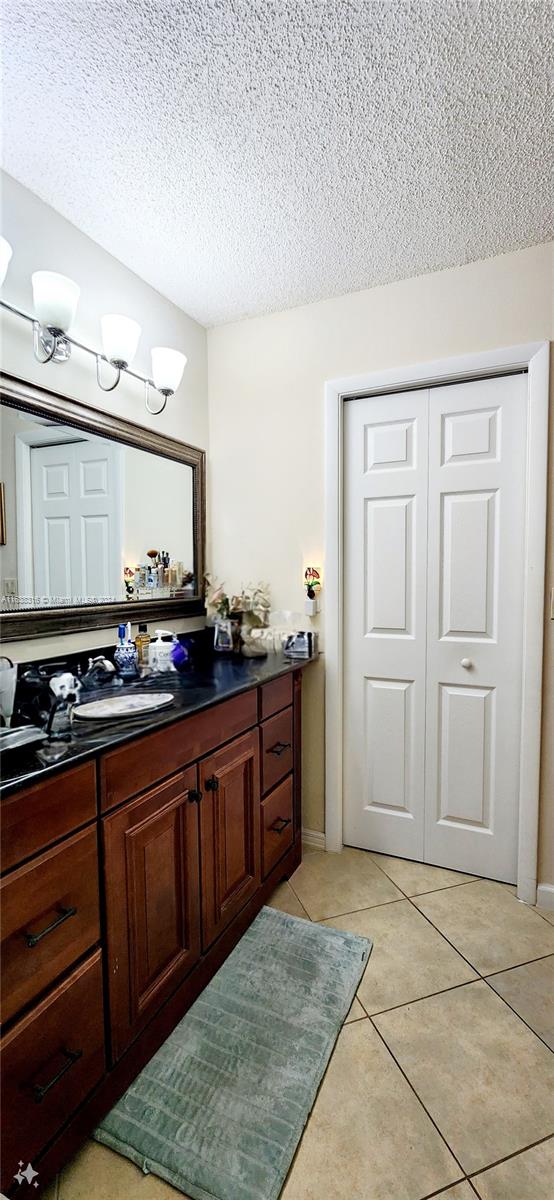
154 411
110 387
45 351
43 338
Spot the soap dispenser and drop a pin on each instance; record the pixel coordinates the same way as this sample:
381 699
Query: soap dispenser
160 658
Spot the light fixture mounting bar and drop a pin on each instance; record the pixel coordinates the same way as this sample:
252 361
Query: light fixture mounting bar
96 354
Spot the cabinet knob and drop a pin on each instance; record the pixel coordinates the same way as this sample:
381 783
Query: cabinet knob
194 796
212 784
466 663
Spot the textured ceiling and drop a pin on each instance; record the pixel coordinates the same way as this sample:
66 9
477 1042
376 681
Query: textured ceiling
250 155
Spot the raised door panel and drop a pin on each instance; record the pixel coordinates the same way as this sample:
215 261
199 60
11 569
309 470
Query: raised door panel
230 833
152 890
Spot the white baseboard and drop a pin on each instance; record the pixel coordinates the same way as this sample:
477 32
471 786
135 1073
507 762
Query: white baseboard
312 837
545 896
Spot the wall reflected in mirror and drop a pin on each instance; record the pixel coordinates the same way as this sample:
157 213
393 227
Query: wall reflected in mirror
88 520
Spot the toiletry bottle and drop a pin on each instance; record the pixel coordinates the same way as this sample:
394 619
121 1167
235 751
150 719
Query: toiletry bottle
125 656
142 642
160 651
179 654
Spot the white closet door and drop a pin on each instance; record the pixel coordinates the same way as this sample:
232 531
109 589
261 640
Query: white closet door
77 520
385 568
477 451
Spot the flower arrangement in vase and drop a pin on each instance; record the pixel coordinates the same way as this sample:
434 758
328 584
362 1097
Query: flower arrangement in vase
236 617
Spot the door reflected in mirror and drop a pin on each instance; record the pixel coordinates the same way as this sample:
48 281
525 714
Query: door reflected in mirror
90 520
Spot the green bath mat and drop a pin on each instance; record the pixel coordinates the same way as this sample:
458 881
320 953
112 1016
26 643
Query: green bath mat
219 1110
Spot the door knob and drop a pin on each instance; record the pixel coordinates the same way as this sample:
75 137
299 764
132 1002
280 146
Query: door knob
466 663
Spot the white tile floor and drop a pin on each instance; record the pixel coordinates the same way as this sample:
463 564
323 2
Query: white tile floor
442 1079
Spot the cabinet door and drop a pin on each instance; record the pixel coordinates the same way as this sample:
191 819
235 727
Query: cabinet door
230 832
152 899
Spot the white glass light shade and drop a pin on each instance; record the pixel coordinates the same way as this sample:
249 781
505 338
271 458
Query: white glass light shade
5 255
55 299
120 337
167 368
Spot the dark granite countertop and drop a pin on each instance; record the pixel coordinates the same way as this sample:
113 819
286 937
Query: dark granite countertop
193 691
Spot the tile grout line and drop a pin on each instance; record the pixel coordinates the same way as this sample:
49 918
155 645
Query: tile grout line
528 962
515 1154
454 987
480 977
352 912
419 1100
516 1014
484 979
467 1177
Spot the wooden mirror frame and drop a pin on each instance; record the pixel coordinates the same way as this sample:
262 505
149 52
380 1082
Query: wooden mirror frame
44 622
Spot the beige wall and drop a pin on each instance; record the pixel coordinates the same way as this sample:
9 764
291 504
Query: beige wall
42 239
266 388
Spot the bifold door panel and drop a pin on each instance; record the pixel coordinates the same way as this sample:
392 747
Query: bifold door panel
385 505
434 487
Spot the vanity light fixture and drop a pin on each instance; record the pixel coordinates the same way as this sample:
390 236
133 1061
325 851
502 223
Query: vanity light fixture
55 299
120 338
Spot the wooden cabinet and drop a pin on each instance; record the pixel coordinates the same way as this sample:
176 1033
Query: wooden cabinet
152 887
277 751
50 1061
48 918
277 825
126 882
230 833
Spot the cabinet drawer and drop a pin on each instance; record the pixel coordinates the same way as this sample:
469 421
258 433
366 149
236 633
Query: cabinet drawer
275 695
49 917
276 825
37 816
50 1061
276 749
130 770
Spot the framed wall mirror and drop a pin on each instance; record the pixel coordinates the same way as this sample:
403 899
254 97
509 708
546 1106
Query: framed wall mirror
104 520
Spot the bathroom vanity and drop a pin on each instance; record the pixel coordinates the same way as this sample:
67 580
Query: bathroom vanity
129 872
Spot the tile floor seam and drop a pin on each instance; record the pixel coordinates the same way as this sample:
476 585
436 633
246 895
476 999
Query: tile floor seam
446 888
454 987
297 896
534 908
527 963
353 911
515 1154
443 1190
418 1098
516 1014
484 978
466 983
446 939
467 1177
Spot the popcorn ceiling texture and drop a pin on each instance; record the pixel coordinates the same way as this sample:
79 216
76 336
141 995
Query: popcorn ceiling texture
250 155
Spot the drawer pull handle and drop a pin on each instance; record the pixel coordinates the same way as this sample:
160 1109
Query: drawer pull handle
279 824
33 939
41 1090
279 748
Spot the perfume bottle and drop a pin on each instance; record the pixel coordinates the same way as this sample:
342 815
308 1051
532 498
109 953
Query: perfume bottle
142 642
